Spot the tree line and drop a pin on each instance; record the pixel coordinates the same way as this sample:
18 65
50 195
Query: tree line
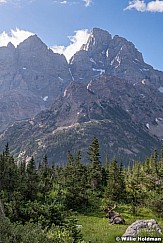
41 199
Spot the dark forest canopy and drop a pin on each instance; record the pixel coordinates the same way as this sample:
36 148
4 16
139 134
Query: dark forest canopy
44 196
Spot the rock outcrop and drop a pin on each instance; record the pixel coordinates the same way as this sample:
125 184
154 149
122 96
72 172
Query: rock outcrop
147 225
107 91
31 77
86 110
114 56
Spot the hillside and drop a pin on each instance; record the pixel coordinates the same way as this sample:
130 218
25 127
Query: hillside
82 113
107 91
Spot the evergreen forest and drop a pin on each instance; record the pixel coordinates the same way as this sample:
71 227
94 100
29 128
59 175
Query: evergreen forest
41 202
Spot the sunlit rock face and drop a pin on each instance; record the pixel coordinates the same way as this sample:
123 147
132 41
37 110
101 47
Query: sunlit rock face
110 108
31 77
114 56
106 90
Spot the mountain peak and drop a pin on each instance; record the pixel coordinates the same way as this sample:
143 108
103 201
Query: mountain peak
114 95
128 47
32 42
98 39
115 56
10 45
96 31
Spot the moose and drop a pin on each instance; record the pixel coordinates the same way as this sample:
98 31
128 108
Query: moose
115 218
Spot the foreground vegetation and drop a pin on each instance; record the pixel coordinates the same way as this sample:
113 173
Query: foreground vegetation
96 228
42 203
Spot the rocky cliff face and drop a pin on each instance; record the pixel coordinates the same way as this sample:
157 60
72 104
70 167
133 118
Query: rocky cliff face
46 73
106 55
114 56
31 77
107 91
85 111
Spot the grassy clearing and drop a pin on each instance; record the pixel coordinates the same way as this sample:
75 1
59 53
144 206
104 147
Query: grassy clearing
95 227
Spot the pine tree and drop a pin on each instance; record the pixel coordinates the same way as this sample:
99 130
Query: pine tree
162 153
22 177
8 172
32 185
115 190
155 160
46 176
105 172
75 182
135 181
95 166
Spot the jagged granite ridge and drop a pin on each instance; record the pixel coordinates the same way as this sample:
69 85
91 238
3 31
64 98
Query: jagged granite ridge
31 77
74 119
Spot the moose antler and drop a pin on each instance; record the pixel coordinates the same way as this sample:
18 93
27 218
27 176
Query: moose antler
111 208
115 218
115 205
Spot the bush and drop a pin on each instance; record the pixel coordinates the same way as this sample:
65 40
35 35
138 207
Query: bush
16 232
33 233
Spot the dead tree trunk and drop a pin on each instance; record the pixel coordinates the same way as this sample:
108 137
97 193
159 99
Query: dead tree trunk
2 214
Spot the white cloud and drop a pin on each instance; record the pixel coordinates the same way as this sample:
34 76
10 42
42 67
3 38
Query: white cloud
87 2
18 3
140 5
137 4
58 49
61 2
15 37
3 1
76 41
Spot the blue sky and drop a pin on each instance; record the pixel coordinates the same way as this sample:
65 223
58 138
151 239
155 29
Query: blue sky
65 24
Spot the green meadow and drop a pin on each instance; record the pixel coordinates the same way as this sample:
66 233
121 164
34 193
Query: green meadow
96 227
45 203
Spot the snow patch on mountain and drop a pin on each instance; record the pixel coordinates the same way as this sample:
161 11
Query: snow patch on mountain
99 70
45 98
71 74
65 92
147 125
89 84
161 89
91 59
116 60
143 81
107 53
60 78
